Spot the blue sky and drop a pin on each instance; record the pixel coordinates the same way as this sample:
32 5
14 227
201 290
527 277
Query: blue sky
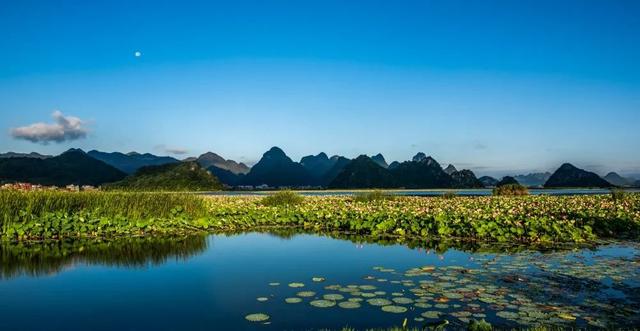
495 86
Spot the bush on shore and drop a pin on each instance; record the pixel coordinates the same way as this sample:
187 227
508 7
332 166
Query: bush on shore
282 198
510 190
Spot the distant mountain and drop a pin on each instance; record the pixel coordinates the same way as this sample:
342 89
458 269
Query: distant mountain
71 167
226 177
507 180
183 176
33 155
276 169
317 165
363 172
450 169
618 180
393 165
570 176
379 159
339 163
533 179
419 157
130 162
210 159
488 181
426 173
465 179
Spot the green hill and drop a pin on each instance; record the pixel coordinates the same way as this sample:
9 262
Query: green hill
184 176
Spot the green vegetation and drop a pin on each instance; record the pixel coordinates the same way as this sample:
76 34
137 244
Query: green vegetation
618 195
510 190
449 194
377 195
529 219
282 198
173 177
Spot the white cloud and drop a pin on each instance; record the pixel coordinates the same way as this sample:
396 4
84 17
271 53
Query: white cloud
65 128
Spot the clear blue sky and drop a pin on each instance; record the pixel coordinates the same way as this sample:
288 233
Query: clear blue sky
489 85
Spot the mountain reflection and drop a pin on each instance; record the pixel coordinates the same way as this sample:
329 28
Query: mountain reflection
47 258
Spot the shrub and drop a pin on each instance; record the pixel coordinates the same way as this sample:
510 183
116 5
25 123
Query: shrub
450 194
282 198
479 325
377 195
618 195
511 190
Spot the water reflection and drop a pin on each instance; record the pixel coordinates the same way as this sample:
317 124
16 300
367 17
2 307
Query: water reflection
47 258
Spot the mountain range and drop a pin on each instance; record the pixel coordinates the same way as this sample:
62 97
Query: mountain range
71 167
130 162
276 169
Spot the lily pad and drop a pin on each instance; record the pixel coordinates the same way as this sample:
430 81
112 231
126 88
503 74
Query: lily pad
394 309
333 296
262 299
402 300
318 279
259 317
295 285
432 314
306 294
349 305
379 302
292 300
322 303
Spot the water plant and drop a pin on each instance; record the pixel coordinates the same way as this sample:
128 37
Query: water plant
370 196
282 198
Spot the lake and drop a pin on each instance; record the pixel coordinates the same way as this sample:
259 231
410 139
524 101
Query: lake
306 281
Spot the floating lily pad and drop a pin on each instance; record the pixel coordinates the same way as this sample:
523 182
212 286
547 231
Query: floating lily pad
259 317
333 296
394 309
349 305
274 284
432 314
262 299
355 299
318 279
379 302
306 294
509 315
294 285
422 305
292 300
367 287
322 303
402 300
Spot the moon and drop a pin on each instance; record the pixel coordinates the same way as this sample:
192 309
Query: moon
137 54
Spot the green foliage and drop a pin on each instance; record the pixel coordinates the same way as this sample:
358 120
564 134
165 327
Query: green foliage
618 195
510 190
479 325
282 198
377 195
449 194
529 219
174 177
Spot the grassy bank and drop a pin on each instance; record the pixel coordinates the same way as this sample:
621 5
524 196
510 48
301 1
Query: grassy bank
53 215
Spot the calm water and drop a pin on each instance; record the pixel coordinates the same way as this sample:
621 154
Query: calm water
431 193
214 282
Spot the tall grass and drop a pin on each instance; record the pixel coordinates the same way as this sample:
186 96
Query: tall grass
510 190
128 204
282 198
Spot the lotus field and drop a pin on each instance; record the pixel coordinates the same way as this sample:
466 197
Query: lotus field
525 219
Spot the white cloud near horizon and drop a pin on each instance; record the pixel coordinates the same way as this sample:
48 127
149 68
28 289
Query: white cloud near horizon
64 128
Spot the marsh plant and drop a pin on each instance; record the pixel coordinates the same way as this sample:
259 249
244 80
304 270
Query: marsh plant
449 194
510 190
377 195
618 195
282 198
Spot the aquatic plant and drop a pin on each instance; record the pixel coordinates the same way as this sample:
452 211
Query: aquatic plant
282 198
528 219
370 196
